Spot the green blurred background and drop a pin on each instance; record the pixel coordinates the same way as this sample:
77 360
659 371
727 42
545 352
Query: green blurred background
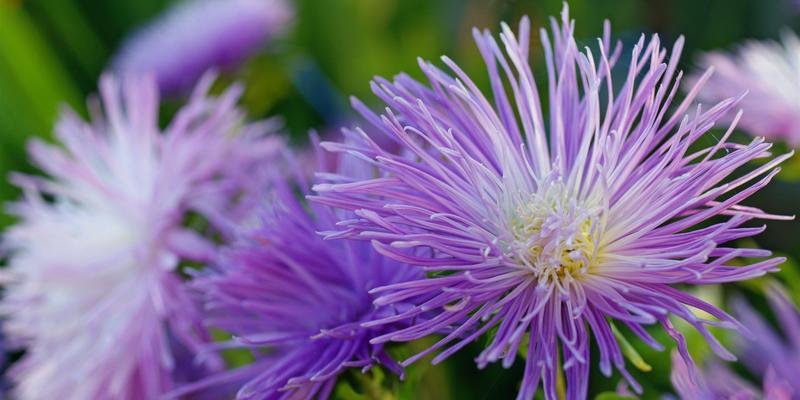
53 51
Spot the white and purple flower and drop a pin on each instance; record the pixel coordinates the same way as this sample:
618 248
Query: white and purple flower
770 74
93 290
552 226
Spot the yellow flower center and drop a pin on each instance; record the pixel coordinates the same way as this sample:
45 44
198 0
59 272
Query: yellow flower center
555 234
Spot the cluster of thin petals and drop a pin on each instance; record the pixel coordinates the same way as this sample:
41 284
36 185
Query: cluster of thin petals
543 225
93 291
295 299
557 219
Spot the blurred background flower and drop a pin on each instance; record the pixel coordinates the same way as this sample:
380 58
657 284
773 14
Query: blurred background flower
197 35
305 65
770 74
294 299
771 354
93 292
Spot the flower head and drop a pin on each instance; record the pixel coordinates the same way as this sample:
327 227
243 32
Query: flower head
770 73
197 35
768 354
296 299
94 293
558 227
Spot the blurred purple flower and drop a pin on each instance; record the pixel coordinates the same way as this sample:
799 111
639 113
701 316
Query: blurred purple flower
770 73
92 289
766 353
197 35
552 230
296 299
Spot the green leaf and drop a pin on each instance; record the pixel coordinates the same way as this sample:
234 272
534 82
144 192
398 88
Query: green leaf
523 346
629 351
233 357
37 79
790 276
71 33
344 391
423 380
790 170
32 85
372 385
612 396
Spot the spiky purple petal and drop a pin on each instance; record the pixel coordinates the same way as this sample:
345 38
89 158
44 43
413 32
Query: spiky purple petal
296 300
552 225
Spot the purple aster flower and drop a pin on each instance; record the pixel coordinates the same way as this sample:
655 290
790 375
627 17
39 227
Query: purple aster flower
197 35
766 353
770 72
715 382
555 227
297 300
93 292
766 348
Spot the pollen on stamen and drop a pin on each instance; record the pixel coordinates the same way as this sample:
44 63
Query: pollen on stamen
555 234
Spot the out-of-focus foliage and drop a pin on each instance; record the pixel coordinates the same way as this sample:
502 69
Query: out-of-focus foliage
52 52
